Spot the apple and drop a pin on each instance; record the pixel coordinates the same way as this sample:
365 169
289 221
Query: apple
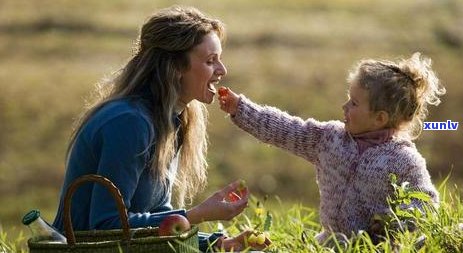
173 224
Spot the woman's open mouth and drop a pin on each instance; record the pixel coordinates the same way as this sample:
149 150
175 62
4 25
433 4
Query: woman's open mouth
211 86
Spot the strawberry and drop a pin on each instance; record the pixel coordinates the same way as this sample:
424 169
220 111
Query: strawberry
233 197
223 91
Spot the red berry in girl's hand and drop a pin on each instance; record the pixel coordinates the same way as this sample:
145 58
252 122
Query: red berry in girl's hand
223 91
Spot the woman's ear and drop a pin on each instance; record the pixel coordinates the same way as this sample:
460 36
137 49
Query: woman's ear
382 118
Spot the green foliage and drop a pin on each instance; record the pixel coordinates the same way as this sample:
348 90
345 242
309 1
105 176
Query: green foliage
294 227
400 202
268 221
11 246
292 54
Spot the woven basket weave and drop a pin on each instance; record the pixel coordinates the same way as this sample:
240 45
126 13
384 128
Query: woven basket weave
138 240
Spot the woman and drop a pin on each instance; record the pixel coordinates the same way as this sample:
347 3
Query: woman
147 131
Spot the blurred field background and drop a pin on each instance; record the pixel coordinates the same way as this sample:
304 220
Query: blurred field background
293 54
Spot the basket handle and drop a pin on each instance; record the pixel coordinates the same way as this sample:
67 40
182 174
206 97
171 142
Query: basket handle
71 239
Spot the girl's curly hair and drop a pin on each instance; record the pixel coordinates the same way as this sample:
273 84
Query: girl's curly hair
403 89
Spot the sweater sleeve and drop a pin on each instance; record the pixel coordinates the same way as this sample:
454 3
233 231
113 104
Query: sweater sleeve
124 142
278 128
415 173
418 179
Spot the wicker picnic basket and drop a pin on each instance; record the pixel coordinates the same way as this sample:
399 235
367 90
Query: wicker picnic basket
138 240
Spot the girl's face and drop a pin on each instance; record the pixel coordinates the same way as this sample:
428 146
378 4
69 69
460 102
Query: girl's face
205 71
357 115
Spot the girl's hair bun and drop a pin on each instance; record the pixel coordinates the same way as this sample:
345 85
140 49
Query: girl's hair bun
427 85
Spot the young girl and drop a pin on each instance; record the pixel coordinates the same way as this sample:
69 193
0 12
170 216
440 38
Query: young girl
387 103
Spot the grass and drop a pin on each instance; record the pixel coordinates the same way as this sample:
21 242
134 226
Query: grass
293 54
293 229
13 245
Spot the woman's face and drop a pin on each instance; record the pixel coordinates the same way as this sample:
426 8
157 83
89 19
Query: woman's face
206 69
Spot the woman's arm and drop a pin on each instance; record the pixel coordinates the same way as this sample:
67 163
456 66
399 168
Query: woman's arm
217 207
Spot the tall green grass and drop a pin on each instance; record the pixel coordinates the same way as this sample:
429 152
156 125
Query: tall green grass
438 229
294 227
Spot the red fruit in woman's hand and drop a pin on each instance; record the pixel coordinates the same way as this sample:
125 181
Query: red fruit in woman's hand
233 197
223 91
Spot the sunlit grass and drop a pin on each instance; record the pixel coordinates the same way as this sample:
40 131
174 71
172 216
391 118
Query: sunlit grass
293 229
291 54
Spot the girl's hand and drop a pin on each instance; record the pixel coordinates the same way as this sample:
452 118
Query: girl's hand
241 242
228 100
218 206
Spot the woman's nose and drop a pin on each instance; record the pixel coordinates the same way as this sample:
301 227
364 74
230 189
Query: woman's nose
221 69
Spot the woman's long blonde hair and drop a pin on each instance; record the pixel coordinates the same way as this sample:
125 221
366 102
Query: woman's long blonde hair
154 73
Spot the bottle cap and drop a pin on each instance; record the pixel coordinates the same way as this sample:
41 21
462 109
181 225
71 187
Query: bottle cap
31 216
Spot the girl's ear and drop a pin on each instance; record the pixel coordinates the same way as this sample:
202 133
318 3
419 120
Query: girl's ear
382 118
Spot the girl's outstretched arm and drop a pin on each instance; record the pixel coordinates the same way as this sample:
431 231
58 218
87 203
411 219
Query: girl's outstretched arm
273 126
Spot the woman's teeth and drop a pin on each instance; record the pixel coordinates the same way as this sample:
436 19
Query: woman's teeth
211 86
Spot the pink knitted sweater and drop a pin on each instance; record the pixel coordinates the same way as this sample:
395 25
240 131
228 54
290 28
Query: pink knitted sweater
352 186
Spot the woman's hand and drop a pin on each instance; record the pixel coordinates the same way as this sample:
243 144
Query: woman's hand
241 242
228 100
218 206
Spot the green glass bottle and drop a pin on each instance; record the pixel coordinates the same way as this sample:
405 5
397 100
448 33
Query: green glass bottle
41 230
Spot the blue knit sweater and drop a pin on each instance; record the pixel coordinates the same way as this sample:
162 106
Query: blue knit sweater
117 143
